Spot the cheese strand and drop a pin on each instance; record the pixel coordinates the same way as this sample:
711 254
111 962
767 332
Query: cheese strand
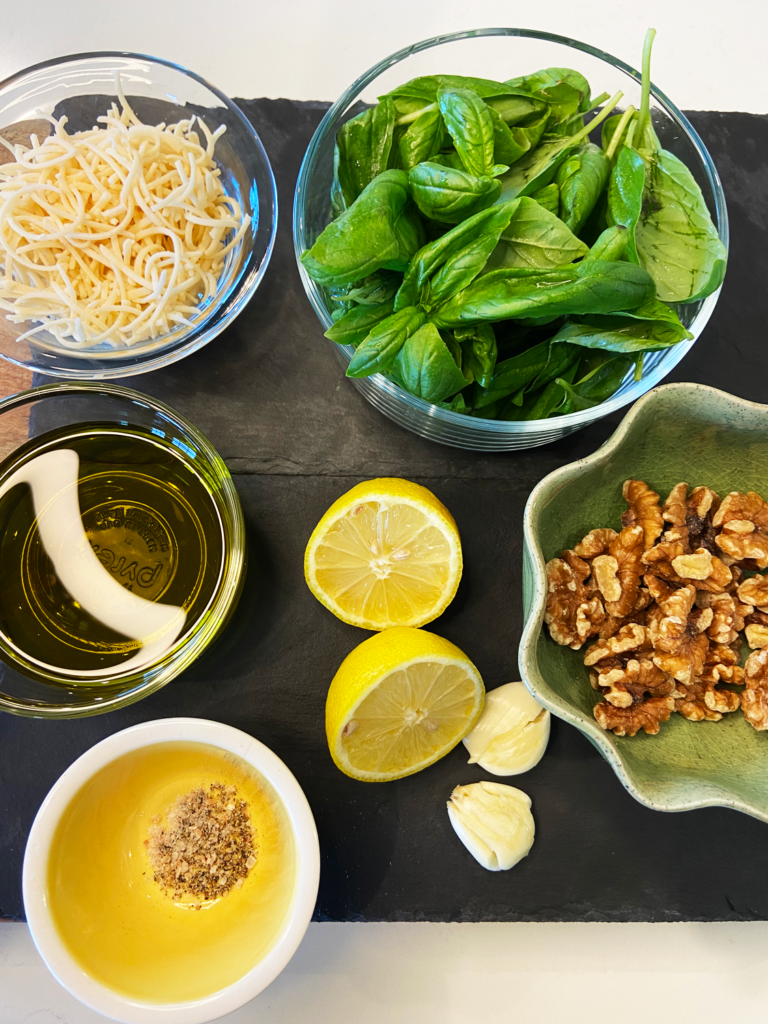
116 235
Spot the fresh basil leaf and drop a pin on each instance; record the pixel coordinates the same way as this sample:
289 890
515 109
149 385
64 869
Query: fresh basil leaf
594 286
422 139
427 368
599 384
514 109
459 271
581 180
488 412
548 401
539 166
513 374
364 144
450 196
609 127
537 238
512 143
338 199
621 335
369 291
456 404
382 344
548 197
367 236
564 90
559 358
432 256
408 228
427 87
470 125
449 158
625 195
479 352
354 326
455 349
677 243
534 170
654 309
610 245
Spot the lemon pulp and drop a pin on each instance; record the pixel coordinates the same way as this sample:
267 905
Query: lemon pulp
400 701
119 925
386 554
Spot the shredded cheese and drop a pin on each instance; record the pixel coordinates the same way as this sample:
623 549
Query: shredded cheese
117 235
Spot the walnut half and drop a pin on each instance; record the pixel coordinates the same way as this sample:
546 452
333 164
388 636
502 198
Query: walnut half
754 699
647 715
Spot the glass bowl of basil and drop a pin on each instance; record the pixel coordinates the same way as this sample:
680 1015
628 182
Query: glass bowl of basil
499 261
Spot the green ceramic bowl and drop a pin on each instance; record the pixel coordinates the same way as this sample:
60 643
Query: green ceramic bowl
677 432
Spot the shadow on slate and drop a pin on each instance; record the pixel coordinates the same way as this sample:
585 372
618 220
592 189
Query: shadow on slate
270 395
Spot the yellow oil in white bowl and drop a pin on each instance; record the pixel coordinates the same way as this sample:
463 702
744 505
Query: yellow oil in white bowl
118 924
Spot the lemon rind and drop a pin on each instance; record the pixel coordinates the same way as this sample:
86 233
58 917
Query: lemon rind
336 747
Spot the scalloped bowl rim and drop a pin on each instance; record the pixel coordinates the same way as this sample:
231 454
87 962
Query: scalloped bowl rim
572 420
534 623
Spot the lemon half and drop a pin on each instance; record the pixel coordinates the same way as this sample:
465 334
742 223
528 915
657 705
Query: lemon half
387 553
399 702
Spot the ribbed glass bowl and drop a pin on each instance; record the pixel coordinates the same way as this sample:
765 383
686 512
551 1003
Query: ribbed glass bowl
497 53
36 692
82 87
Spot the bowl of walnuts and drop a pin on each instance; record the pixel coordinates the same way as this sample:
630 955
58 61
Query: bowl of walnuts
646 599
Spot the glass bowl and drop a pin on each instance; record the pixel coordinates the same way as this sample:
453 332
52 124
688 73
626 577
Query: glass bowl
497 53
82 87
127 523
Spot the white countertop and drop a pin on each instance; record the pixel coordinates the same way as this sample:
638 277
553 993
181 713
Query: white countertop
471 974
708 55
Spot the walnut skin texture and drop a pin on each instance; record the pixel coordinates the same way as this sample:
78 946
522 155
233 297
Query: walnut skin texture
701 700
671 562
572 614
595 543
754 591
643 511
628 721
743 523
627 549
727 618
754 699
629 638
624 682
701 507
668 604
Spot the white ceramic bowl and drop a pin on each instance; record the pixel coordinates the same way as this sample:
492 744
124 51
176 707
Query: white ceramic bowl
50 946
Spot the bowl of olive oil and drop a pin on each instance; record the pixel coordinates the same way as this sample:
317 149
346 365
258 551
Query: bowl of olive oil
122 548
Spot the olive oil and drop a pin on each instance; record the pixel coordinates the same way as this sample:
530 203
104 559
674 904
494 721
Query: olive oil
111 551
124 929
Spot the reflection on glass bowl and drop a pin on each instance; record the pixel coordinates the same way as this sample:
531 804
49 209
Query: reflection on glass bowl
82 88
496 53
122 548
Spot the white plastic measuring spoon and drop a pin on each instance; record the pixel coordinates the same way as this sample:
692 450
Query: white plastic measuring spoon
52 478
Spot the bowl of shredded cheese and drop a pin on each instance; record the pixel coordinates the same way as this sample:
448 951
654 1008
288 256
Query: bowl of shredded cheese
137 215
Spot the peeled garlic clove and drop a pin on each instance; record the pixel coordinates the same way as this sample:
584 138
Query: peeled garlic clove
511 734
494 822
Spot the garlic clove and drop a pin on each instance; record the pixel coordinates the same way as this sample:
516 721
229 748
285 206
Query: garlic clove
511 734
494 822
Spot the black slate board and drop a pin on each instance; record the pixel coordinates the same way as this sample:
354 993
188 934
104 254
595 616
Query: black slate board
296 435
